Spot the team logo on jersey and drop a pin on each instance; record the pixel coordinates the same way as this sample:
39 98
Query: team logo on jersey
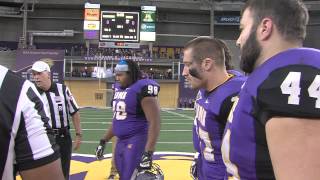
120 95
174 166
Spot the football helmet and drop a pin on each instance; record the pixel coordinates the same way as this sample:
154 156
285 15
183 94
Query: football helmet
155 173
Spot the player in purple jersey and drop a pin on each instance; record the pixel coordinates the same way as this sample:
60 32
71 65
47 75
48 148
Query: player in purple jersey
136 120
273 132
205 69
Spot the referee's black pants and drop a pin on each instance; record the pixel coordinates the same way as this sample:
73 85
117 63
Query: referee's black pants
65 144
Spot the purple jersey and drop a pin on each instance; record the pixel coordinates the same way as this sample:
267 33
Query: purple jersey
195 133
130 124
128 117
235 72
285 85
212 109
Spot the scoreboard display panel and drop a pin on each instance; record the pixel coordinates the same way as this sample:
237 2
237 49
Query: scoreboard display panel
119 26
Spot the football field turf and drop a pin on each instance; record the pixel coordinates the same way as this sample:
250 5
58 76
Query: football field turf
175 134
175 137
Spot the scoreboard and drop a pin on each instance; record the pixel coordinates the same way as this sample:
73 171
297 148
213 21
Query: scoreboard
119 26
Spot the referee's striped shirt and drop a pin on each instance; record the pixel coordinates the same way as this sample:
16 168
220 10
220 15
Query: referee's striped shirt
59 103
24 143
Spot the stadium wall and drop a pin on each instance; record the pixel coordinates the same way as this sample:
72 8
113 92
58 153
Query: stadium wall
169 94
89 93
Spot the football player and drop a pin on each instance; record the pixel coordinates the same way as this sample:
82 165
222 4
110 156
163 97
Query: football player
273 132
136 120
205 68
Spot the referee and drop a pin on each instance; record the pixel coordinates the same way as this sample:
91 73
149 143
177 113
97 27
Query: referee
25 145
59 103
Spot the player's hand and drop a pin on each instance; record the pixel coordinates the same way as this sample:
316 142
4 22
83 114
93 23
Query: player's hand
194 167
146 161
77 142
100 149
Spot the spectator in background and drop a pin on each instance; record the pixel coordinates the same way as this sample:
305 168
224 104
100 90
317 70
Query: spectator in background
190 102
185 102
180 102
169 74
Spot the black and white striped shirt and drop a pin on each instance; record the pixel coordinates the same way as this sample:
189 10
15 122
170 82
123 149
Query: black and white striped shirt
59 103
23 123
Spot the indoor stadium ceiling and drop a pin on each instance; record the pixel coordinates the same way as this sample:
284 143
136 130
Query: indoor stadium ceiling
192 5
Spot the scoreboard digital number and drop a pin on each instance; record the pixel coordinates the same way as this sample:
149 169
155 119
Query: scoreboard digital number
119 26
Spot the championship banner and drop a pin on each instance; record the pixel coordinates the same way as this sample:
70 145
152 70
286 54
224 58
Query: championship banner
26 57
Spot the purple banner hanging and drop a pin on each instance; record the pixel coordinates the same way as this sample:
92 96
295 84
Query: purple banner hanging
55 59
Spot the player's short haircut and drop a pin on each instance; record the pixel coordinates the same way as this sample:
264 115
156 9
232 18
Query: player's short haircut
290 16
207 47
227 55
134 71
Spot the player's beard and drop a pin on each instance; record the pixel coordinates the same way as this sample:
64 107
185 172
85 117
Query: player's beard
250 52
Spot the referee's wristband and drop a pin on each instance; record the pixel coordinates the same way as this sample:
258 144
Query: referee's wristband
79 134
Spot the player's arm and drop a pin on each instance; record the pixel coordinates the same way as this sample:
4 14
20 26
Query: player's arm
74 111
150 106
106 137
294 147
290 112
51 171
78 130
151 110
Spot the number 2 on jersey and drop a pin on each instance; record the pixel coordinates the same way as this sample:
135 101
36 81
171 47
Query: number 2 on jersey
291 86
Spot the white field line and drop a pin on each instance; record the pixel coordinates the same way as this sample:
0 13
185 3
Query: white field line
162 119
160 130
178 114
110 123
109 155
96 142
108 116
